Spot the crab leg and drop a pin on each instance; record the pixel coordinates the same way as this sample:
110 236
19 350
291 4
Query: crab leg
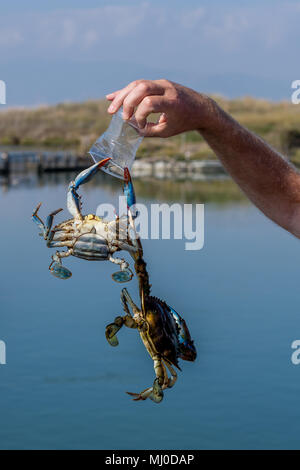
39 221
73 198
57 244
45 228
166 378
124 302
50 218
61 235
162 381
124 246
128 191
125 274
120 261
159 369
112 329
87 174
126 298
56 268
173 378
155 393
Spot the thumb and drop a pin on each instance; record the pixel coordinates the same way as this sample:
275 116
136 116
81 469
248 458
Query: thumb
156 129
153 130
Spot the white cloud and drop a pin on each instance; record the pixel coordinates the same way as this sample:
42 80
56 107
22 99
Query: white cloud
10 37
192 18
217 36
68 32
90 38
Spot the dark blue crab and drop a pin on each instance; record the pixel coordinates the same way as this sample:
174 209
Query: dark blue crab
162 330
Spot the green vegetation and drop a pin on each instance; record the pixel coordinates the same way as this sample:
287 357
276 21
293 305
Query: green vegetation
187 191
77 125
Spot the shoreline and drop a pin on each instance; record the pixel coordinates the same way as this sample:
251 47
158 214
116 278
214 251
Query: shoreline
156 167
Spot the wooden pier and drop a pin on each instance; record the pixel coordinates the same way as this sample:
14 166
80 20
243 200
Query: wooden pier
41 162
158 168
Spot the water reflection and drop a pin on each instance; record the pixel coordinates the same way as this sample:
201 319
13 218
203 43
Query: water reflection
63 386
221 190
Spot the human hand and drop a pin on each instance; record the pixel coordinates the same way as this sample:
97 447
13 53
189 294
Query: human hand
181 109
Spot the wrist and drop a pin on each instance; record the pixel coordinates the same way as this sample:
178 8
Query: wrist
208 112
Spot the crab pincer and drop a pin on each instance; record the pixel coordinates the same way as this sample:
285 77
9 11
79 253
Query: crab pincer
129 193
86 175
73 198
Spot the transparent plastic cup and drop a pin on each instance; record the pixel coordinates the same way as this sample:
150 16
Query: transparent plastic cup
120 142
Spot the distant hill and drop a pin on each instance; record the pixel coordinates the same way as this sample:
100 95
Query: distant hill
77 125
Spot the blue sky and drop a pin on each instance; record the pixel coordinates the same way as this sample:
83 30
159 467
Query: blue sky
65 50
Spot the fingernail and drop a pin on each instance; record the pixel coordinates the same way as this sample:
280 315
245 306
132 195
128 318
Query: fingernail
111 108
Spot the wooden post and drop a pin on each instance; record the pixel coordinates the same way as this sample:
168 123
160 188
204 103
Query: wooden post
5 163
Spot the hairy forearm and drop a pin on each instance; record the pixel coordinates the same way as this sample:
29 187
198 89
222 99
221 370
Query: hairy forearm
269 180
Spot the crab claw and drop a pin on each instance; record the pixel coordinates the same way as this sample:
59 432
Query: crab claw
38 221
60 271
111 331
37 209
128 191
88 173
155 393
73 198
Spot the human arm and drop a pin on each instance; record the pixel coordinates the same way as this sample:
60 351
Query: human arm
268 179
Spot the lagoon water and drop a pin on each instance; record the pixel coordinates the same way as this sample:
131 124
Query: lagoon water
63 386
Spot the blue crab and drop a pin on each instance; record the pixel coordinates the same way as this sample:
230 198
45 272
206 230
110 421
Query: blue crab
88 236
162 330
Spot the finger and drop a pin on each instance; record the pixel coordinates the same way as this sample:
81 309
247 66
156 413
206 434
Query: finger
119 98
112 95
158 129
154 130
150 104
136 96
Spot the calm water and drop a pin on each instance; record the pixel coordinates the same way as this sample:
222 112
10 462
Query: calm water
63 385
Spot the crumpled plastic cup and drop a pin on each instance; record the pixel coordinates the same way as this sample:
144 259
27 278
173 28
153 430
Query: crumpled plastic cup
120 142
